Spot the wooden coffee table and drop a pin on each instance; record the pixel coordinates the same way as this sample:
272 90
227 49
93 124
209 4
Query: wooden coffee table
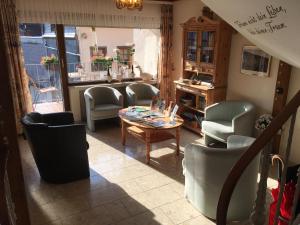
149 134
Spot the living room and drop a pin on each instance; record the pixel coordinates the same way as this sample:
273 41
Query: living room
138 179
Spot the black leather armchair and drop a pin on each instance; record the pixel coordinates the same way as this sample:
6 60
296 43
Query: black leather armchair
59 146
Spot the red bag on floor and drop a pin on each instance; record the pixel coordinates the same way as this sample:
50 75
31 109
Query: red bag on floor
286 204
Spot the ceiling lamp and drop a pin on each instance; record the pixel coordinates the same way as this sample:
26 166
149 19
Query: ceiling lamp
130 4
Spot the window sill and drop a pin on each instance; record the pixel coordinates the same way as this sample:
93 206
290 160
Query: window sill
114 81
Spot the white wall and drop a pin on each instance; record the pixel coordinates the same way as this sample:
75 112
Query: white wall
147 47
109 37
258 90
293 89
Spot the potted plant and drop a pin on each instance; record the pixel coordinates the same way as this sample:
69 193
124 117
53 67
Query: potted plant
50 62
263 122
102 63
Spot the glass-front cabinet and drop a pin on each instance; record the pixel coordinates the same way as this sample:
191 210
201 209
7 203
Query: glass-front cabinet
200 47
207 49
191 46
205 54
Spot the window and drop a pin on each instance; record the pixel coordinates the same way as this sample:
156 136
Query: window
32 30
125 55
118 49
97 52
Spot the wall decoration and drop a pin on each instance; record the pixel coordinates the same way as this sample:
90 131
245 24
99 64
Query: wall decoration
255 61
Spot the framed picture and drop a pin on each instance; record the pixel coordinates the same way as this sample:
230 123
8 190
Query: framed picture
255 62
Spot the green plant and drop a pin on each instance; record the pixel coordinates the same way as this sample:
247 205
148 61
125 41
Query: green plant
105 61
48 60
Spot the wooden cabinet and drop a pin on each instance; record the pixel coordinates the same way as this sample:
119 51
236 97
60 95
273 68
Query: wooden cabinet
205 54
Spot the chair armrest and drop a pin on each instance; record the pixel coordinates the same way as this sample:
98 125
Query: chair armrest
59 118
155 90
118 98
243 123
213 112
131 96
89 100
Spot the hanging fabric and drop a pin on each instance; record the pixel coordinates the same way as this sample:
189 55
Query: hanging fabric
18 79
166 31
97 13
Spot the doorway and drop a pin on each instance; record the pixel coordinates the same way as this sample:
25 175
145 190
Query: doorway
41 62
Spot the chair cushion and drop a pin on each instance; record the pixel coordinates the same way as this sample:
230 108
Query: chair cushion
218 129
143 102
105 111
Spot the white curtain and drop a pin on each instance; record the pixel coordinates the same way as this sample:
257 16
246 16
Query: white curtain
98 13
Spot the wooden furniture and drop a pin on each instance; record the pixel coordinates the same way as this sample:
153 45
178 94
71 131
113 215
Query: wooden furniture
149 134
206 49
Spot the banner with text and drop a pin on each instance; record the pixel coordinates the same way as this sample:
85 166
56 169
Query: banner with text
272 25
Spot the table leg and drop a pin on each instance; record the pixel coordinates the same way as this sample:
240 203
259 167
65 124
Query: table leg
123 132
148 146
177 140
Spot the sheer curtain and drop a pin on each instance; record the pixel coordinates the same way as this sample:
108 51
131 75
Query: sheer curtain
18 79
98 13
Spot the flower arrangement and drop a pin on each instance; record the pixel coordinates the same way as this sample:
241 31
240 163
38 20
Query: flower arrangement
263 122
131 50
48 60
105 61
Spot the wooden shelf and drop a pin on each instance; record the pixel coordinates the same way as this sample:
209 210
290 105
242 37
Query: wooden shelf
155 137
208 48
192 108
195 86
197 71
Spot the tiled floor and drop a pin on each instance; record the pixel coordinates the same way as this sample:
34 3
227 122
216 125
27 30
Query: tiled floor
122 189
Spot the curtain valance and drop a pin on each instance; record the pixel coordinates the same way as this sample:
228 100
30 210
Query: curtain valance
98 13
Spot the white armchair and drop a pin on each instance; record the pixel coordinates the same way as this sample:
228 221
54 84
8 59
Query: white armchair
102 103
206 170
228 118
141 94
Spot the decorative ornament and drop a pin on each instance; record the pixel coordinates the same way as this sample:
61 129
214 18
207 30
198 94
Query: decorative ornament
130 4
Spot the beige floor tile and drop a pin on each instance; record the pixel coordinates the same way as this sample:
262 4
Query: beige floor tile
200 220
66 207
150 199
131 187
113 165
122 189
151 181
117 211
43 214
180 211
105 195
136 205
88 218
150 217
127 173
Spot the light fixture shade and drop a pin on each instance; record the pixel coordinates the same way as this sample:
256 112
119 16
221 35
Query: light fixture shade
130 4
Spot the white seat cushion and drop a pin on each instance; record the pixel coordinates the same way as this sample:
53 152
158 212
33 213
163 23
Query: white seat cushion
219 129
105 111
